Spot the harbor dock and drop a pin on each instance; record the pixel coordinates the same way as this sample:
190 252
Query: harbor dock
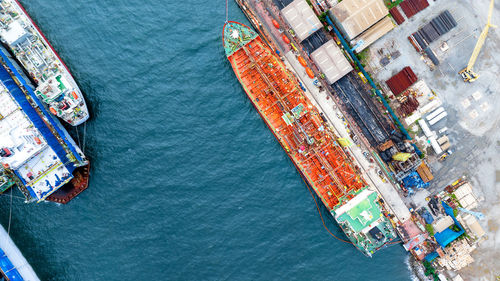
325 52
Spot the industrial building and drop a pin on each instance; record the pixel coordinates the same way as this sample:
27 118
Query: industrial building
466 196
301 18
331 61
362 21
373 34
307 28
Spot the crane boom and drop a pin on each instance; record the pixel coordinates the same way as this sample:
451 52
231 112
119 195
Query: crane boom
481 39
467 73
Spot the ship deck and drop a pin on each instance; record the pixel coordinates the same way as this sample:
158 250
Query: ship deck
295 122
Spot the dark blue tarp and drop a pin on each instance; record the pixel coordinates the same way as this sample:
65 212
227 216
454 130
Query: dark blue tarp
413 180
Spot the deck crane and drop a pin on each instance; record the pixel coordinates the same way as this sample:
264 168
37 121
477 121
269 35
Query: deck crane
467 74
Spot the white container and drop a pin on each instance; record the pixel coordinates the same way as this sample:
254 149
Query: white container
435 113
427 131
437 118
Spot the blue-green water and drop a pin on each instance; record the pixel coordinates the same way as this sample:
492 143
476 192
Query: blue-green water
187 181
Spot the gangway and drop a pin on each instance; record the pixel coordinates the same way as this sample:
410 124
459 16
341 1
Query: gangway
467 73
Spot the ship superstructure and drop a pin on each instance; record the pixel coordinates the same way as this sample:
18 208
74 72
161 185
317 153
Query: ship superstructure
55 85
34 148
307 139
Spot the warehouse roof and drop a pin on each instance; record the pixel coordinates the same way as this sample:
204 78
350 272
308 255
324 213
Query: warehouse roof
301 18
466 196
331 61
373 33
358 15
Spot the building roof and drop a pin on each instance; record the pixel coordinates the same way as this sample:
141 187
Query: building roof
466 197
373 33
331 61
358 15
474 226
442 223
301 18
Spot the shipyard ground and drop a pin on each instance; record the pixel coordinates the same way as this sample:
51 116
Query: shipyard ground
473 122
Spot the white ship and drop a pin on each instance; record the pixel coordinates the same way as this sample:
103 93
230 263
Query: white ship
54 83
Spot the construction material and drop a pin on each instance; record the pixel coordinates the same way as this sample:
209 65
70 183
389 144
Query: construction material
444 143
425 173
386 145
438 118
432 31
402 81
467 73
435 113
401 156
412 7
408 106
413 180
396 15
432 56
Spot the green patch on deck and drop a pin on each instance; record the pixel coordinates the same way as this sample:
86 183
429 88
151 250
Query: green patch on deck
235 36
362 214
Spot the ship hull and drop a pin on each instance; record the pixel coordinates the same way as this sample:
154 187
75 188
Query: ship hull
77 185
292 119
65 72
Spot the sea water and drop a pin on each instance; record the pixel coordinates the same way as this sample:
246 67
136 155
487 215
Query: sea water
187 182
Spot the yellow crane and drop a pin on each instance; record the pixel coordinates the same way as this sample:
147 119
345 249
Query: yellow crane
467 74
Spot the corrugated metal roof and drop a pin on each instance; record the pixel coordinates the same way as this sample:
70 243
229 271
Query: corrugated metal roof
373 33
301 18
358 15
331 61
396 14
314 41
401 81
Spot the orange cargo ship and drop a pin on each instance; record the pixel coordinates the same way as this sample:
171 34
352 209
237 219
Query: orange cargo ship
292 118
296 123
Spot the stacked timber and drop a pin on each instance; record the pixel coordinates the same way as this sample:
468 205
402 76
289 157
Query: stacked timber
424 172
402 81
408 106
412 7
